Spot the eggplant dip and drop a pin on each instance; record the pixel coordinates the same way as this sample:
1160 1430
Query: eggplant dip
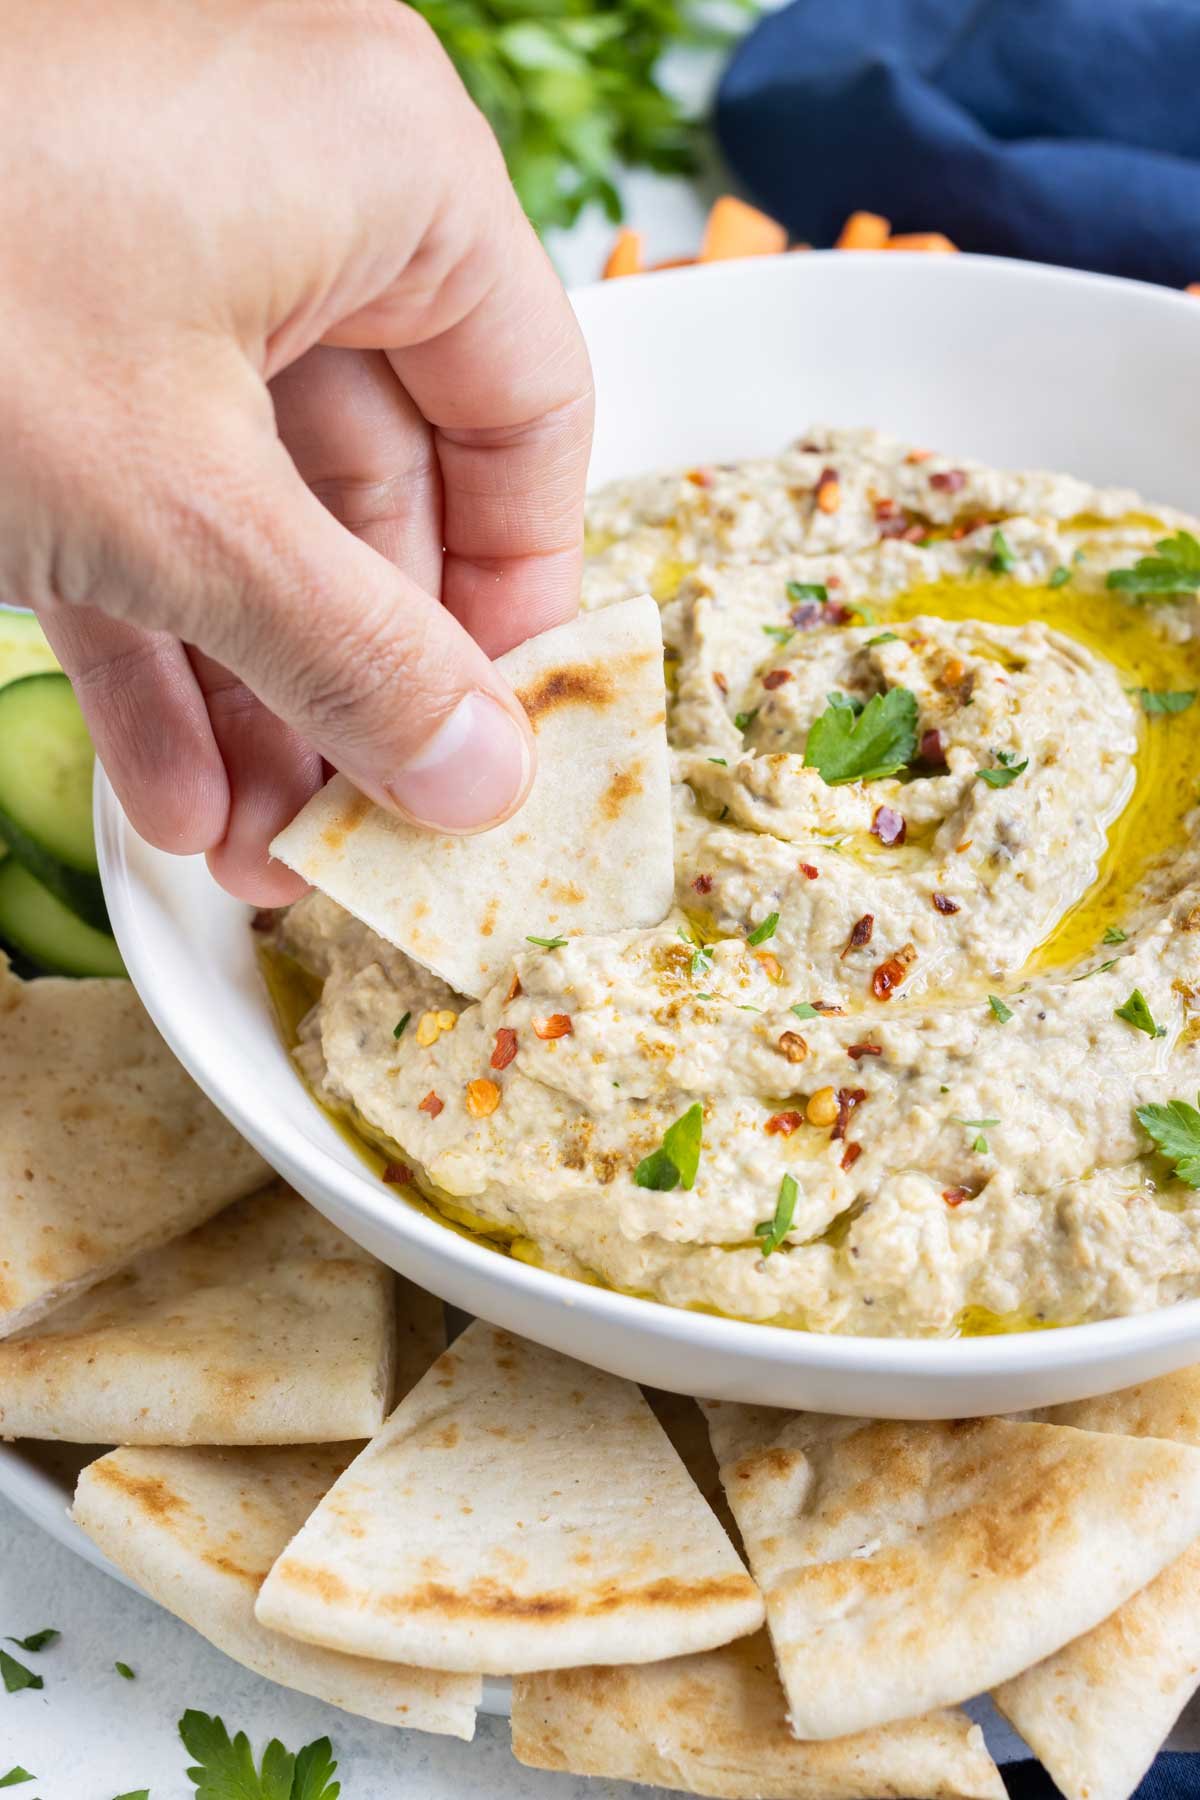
916 1050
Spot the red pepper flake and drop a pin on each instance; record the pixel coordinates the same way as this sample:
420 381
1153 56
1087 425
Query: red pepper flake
558 1025
263 919
506 1047
835 613
886 509
948 481
889 826
915 533
432 1105
826 1006
860 933
810 871
782 1124
850 1155
857 1051
397 1174
703 884
701 478
515 990
833 581
720 683
944 904
847 1099
775 678
890 974
931 749
829 491
956 1195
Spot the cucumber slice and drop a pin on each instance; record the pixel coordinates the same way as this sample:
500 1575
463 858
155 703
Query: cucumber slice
23 646
41 928
46 763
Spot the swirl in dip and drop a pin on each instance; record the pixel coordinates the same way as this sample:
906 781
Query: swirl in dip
933 973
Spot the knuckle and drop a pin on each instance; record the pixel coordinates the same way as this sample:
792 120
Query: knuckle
372 687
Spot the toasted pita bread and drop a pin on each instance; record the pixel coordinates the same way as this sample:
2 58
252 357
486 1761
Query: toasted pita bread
107 1147
904 1566
264 1326
198 1530
1097 1712
518 1512
590 850
717 1724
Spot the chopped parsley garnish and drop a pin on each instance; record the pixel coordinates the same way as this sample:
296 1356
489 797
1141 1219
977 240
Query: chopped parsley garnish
882 637
676 1161
554 943
773 1231
766 929
124 1671
402 1027
16 1676
702 960
720 761
136 1794
803 1010
1006 774
1114 935
1100 969
807 590
1136 1012
16 1775
743 721
879 741
1175 569
1002 560
225 1768
1002 1012
1060 577
37 1640
980 1143
1175 1128
865 615
783 634
1157 701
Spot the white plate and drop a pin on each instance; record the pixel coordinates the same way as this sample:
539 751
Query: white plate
1000 360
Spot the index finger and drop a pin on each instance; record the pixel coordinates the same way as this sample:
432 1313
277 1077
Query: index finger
508 391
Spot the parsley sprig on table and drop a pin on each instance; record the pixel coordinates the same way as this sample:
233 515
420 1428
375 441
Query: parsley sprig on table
225 1767
845 745
571 89
1174 569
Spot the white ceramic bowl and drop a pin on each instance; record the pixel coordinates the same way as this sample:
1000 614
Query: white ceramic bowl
1011 363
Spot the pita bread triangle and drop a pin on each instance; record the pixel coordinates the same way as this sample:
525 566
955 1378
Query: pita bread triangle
107 1146
264 1326
1097 1711
905 1565
198 1529
716 1723
590 851
518 1511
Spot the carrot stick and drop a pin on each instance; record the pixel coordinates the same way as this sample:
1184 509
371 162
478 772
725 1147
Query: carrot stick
625 257
864 231
920 240
675 262
735 229
1193 287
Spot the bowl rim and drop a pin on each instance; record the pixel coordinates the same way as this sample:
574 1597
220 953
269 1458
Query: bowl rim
359 1194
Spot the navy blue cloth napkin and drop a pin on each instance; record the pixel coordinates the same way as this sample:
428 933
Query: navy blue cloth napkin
1065 131
1173 1777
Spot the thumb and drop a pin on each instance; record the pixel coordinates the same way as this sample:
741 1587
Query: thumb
360 661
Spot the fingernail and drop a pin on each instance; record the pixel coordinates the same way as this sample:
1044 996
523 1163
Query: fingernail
470 773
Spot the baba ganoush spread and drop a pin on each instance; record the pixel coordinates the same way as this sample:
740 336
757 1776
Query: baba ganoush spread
916 1050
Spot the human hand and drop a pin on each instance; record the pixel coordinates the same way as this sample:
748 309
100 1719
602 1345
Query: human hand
243 579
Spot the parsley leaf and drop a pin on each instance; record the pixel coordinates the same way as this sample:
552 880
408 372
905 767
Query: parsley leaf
807 590
135 1794
1175 1128
1002 1012
783 634
1174 570
720 761
1060 577
743 721
773 1231
702 960
882 637
225 1767
1006 774
1156 702
678 1159
1100 969
1114 935
766 929
803 1010
402 1027
1002 560
979 1144
16 1676
37 1640
880 741
16 1775
1136 1012
314 1769
552 943
124 1670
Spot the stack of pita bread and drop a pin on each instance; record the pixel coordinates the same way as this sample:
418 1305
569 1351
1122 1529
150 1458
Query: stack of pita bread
719 1599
